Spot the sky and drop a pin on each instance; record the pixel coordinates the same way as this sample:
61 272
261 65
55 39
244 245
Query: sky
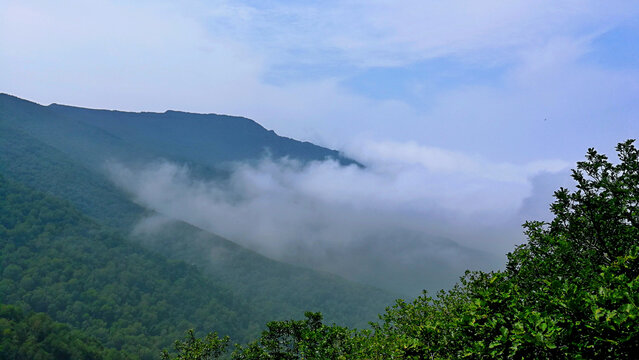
477 107
506 80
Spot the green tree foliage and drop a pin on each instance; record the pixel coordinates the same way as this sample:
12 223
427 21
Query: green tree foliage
299 339
40 149
193 348
570 292
55 260
37 336
44 168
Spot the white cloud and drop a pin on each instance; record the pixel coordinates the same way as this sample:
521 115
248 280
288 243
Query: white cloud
324 215
118 55
552 104
373 33
444 161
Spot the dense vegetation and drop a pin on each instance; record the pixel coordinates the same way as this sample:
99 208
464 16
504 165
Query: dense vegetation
45 168
275 290
32 336
56 260
570 292
59 151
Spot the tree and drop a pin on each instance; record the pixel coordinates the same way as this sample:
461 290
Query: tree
592 226
193 348
571 291
299 339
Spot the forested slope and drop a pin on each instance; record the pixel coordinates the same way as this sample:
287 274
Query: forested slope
58 261
276 289
45 168
29 335
63 156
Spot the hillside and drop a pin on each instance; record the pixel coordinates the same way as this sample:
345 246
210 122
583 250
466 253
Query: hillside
278 289
209 140
51 153
58 261
29 335
284 289
210 147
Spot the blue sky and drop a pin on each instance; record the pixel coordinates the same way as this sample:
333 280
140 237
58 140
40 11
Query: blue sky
478 77
483 95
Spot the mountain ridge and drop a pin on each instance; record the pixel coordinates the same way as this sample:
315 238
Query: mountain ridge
48 161
210 146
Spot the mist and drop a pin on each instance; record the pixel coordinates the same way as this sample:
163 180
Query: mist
413 218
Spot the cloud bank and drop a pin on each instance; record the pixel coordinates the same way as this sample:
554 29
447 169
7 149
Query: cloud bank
414 218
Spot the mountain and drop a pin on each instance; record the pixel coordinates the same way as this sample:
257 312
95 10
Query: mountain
208 139
92 136
208 145
57 153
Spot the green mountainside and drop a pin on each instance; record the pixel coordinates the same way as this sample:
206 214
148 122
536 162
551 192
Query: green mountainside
29 335
279 290
208 145
58 261
208 140
43 167
284 289
55 152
